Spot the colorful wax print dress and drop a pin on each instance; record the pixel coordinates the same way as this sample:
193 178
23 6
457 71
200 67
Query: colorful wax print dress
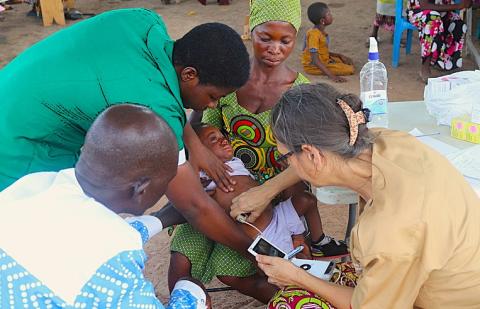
249 133
441 34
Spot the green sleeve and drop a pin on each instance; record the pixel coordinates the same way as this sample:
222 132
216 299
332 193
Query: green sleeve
301 79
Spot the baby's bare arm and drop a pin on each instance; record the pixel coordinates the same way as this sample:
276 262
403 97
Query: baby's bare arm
243 184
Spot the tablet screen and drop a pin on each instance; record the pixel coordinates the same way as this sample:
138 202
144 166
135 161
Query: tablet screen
265 248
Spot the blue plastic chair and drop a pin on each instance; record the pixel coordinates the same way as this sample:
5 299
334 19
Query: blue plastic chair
401 24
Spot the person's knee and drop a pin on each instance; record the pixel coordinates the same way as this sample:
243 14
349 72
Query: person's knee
305 200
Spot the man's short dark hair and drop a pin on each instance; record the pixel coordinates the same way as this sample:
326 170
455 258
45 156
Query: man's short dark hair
317 11
218 54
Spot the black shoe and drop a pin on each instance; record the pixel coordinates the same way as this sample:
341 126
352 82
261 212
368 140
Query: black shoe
73 14
332 248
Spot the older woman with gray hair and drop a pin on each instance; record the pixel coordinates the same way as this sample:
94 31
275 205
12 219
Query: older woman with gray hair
416 243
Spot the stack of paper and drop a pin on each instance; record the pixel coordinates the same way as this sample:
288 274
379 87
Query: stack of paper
453 95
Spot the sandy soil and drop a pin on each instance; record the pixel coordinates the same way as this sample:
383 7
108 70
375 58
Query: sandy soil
348 35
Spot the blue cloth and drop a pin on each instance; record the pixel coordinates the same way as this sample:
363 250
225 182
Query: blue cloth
118 283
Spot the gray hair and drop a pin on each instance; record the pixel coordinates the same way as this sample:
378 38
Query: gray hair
309 114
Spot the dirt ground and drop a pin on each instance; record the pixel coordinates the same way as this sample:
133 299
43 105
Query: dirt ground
352 24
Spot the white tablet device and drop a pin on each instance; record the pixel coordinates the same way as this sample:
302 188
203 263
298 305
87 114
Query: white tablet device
320 269
262 246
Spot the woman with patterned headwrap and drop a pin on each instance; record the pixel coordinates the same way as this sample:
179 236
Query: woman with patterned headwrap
245 115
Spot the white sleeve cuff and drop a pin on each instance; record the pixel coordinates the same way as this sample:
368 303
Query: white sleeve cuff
153 224
195 290
182 158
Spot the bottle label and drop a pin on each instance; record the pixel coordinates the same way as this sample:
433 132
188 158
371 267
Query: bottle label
375 101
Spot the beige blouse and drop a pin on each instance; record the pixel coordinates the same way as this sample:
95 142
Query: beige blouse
417 240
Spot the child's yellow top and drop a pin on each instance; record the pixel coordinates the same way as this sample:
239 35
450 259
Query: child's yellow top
315 41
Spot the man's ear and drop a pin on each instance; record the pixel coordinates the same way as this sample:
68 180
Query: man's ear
188 74
140 188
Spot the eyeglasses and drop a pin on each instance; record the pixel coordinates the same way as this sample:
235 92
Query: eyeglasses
285 156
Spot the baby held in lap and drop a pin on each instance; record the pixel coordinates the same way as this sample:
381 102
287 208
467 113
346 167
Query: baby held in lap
279 223
195 255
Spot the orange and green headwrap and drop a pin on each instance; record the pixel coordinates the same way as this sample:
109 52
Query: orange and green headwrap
262 11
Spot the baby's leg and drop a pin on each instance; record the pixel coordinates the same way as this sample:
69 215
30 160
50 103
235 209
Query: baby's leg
255 286
297 188
180 266
305 203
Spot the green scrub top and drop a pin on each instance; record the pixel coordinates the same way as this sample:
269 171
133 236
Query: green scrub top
53 91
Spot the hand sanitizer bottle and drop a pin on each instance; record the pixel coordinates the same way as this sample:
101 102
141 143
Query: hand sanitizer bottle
373 87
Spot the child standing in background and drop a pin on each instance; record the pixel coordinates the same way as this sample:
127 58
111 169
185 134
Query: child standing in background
384 18
316 58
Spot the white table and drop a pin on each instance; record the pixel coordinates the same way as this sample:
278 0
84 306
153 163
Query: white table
404 116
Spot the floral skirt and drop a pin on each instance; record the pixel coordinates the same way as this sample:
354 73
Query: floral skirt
297 298
441 37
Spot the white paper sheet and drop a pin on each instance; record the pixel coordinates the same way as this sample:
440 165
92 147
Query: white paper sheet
467 161
426 138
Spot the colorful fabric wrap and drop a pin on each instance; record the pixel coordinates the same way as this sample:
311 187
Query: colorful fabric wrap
297 298
209 259
250 134
262 11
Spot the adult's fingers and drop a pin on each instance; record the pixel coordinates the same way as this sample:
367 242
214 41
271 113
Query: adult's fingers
223 180
252 216
264 259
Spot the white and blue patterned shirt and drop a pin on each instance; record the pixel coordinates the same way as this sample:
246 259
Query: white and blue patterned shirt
62 249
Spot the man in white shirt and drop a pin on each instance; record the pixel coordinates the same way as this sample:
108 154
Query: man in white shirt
62 244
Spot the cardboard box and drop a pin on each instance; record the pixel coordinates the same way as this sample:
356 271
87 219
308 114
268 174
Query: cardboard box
465 130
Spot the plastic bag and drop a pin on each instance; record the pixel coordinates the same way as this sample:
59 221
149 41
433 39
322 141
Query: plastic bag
453 95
